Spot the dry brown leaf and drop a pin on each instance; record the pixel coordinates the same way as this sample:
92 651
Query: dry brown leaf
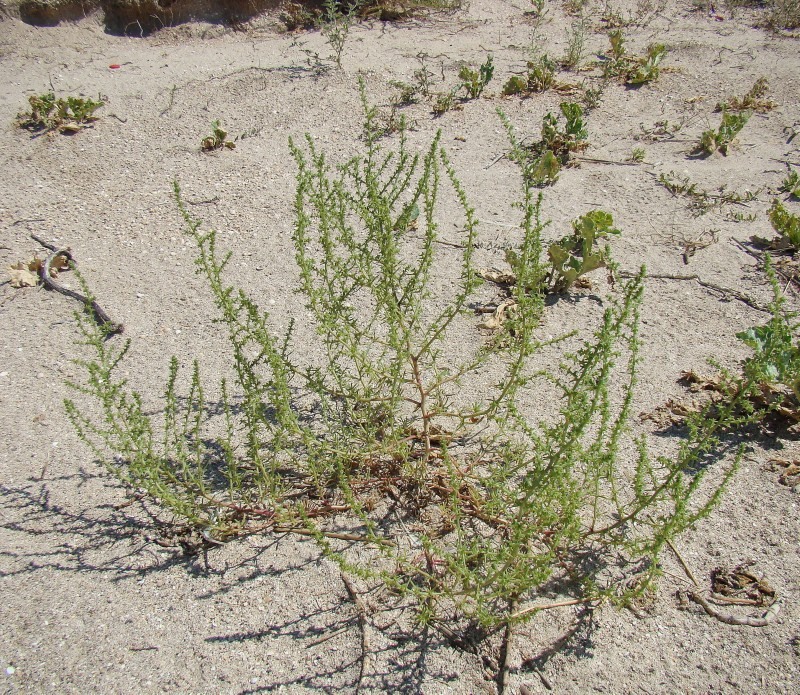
498 317
60 262
700 382
24 274
789 471
497 276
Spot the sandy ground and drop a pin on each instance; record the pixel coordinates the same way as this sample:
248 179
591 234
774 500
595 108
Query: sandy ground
90 603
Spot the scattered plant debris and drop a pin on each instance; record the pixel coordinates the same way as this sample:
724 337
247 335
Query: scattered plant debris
700 200
789 470
755 100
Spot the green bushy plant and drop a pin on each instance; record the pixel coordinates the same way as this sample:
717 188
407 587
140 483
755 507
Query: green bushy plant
494 502
542 161
540 77
575 255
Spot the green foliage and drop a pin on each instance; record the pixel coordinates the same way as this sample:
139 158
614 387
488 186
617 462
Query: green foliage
648 68
64 115
516 84
464 502
473 82
569 139
638 154
541 74
721 139
218 140
576 41
791 184
446 101
775 364
785 224
542 161
407 93
634 70
576 255
337 19
540 77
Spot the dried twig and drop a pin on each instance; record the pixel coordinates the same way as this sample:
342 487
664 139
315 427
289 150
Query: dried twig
682 563
729 619
726 291
301 531
45 275
505 653
548 606
362 623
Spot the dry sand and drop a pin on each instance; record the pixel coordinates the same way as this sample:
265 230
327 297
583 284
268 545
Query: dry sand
90 603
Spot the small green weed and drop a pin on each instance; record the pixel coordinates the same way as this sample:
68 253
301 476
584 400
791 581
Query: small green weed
218 140
722 138
541 74
775 364
567 140
791 184
542 161
576 255
648 68
539 77
67 116
576 42
407 94
473 82
446 101
755 100
737 216
336 23
591 96
661 130
633 70
637 154
786 225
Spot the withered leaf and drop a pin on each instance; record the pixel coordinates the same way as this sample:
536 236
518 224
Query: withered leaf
497 276
25 274
498 317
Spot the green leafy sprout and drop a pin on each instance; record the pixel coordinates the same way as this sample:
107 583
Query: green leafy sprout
722 138
785 224
473 81
633 70
791 184
66 115
218 140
